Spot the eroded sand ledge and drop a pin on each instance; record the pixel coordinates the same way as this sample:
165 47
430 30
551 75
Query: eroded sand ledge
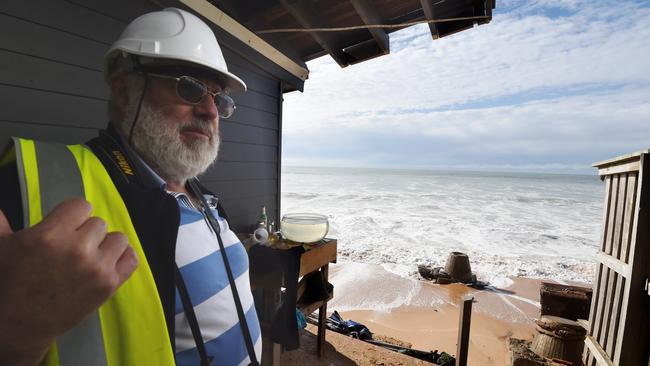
426 315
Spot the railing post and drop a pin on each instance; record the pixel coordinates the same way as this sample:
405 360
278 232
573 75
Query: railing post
463 330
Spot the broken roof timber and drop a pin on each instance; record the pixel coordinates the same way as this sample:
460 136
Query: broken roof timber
290 33
308 17
429 14
369 15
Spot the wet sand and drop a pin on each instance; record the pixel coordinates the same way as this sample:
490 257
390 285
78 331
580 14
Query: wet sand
427 315
423 314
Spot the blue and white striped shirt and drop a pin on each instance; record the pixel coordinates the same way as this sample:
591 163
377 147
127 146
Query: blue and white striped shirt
201 264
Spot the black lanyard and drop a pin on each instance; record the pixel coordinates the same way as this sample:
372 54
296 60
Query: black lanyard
188 308
243 323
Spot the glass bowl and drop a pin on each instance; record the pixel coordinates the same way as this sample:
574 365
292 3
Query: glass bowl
304 227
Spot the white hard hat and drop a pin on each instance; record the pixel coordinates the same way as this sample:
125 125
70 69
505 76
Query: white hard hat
171 36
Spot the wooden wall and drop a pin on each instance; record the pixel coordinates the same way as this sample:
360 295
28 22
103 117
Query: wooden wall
51 88
619 323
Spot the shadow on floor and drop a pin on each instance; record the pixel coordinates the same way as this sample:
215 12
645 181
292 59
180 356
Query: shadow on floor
306 354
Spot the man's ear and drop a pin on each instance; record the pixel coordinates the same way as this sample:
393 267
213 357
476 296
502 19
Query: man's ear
119 92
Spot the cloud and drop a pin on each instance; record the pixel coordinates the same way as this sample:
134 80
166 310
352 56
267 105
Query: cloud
573 131
546 84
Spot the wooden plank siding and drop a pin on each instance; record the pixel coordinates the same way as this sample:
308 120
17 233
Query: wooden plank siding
619 324
51 88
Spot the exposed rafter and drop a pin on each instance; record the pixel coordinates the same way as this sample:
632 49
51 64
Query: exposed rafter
308 17
429 14
293 32
369 15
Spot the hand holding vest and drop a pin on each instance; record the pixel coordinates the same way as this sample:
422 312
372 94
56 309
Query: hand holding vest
55 274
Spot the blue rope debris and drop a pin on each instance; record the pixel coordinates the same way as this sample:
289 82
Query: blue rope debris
359 331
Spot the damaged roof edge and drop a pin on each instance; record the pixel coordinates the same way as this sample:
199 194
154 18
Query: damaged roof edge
230 25
279 57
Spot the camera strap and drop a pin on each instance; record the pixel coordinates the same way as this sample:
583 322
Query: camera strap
243 323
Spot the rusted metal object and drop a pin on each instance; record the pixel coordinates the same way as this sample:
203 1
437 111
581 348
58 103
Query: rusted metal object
458 267
569 302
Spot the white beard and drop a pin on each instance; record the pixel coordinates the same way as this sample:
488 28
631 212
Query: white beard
158 141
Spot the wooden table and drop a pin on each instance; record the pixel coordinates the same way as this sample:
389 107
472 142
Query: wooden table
315 258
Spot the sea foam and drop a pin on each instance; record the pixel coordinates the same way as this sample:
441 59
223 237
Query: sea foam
510 224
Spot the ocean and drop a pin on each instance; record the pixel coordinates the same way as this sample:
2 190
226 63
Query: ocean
544 226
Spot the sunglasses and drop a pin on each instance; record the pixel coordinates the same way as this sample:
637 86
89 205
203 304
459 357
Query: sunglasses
193 90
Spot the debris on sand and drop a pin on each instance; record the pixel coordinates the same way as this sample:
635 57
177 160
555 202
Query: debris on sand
456 270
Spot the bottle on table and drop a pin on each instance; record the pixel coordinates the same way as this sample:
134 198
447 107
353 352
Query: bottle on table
260 230
273 235
263 221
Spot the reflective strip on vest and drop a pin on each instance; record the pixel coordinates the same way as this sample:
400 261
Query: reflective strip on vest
129 328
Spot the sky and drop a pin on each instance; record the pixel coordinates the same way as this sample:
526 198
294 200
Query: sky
547 85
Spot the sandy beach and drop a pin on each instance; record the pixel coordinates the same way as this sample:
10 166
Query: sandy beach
426 315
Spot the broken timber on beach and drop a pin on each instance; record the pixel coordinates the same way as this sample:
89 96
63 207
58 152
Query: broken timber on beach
464 323
619 325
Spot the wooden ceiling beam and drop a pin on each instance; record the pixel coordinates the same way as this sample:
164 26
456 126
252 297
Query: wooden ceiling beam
304 12
429 14
369 15
222 20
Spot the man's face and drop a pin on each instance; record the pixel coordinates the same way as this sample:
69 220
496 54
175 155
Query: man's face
177 139
162 96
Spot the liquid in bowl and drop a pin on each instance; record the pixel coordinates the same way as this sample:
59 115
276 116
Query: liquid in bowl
304 228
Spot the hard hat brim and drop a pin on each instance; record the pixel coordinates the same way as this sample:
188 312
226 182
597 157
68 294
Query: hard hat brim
231 81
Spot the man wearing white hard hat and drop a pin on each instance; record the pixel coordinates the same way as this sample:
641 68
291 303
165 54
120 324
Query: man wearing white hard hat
111 252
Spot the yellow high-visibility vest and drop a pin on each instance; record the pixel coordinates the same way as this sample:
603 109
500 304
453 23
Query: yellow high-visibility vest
130 327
